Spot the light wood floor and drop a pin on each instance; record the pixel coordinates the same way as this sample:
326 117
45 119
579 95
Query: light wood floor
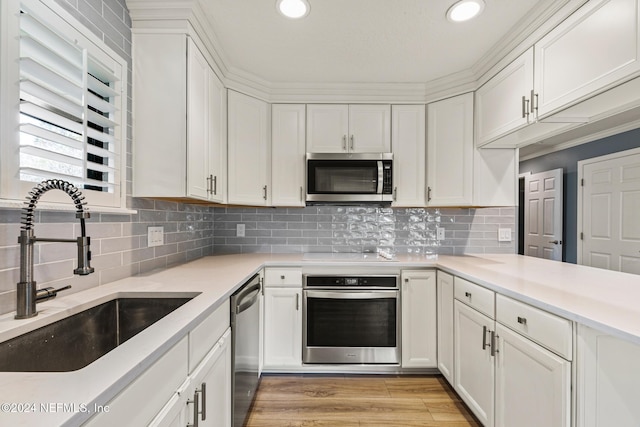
357 401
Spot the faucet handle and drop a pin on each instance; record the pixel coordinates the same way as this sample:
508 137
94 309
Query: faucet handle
48 293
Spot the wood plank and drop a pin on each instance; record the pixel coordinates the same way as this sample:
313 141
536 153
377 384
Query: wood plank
357 401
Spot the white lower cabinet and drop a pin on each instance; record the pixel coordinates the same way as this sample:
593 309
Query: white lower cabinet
608 379
282 319
474 362
444 291
419 319
512 360
533 385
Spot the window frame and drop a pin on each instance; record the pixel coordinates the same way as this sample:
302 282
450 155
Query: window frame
12 190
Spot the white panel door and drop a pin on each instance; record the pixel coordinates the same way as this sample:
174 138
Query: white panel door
419 328
327 128
287 154
248 146
450 151
533 385
610 206
543 215
501 104
594 48
444 283
474 365
282 328
369 128
409 155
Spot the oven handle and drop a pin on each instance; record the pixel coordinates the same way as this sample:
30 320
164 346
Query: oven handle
351 295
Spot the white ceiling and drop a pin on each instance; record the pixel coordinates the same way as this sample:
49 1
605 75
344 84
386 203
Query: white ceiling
361 41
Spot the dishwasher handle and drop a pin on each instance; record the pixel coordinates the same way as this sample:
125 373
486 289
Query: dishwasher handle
247 297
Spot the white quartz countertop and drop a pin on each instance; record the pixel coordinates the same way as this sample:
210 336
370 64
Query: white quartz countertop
601 299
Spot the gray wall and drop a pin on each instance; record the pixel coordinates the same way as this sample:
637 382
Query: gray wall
362 229
568 160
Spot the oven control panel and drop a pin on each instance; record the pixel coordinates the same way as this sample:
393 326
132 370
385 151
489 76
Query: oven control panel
351 282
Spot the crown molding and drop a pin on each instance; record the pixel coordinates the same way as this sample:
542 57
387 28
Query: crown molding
193 15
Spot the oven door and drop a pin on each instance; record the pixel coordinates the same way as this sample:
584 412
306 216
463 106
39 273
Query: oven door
355 327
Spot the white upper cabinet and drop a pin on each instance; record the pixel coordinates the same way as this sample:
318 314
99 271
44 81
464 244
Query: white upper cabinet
596 47
348 128
288 154
249 149
502 103
450 151
408 138
179 105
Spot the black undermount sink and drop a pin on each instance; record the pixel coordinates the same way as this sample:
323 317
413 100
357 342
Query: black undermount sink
76 341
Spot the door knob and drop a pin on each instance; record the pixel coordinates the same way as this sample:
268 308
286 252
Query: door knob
556 242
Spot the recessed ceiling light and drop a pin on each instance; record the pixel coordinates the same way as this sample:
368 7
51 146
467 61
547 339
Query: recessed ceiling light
293 9
465 10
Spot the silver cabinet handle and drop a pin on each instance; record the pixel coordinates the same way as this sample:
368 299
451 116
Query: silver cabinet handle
484 337
524 107
494 350
428 194
196 408
344 142
297 301
264 189
351 143
301 194
522 320
203 396
209 186
534 96
395 194
215 185
467 294
282 277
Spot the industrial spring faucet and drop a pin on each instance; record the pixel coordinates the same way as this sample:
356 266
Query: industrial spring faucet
27 294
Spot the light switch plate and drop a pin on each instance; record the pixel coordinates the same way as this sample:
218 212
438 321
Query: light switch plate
440 233
239 230
504 234
155 236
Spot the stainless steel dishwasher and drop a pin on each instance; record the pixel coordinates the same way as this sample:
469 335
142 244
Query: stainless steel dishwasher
245 336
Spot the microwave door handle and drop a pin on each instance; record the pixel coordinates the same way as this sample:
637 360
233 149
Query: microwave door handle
380 177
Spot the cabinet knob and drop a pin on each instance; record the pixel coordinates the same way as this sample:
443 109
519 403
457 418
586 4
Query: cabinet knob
467 294
282 277
522 320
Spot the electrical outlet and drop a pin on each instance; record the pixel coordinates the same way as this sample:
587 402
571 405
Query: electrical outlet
504 234
155 236
440 233
239 230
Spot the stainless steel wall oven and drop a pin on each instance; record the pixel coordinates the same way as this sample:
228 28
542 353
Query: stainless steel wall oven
351 319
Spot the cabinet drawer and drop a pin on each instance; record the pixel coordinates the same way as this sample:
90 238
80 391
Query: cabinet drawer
548 330
282 277
475 296
204 336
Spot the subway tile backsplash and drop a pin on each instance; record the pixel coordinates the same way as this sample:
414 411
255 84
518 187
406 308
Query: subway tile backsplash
362 229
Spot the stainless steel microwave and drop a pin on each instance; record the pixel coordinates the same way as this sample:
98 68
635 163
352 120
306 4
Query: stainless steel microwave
349 178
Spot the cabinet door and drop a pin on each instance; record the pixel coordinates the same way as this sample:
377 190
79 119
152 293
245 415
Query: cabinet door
450 151
474 365
198 107
282 327
608 380
591 50
288 154
369 129
409 158
211 386
248 145
499 105
533 385
419 319
327 128
217 139
444 292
